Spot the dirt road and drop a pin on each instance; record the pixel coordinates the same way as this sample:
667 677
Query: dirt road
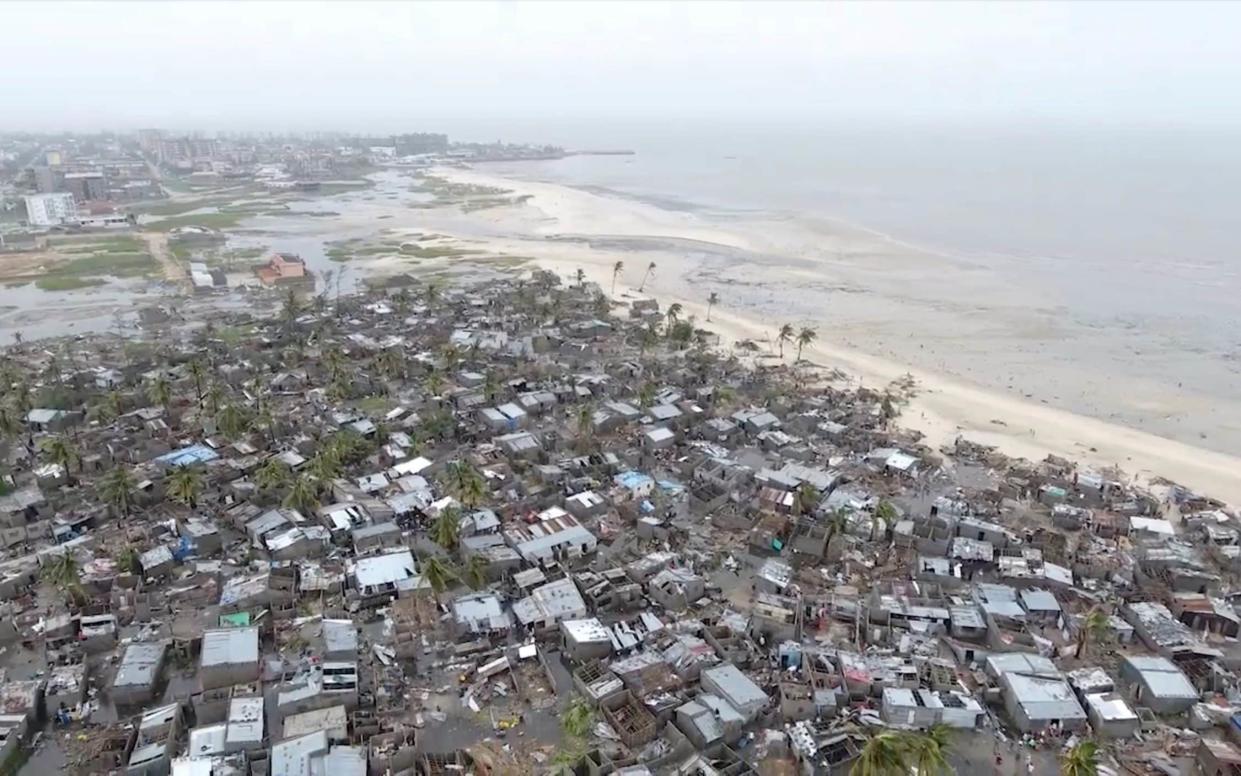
174 271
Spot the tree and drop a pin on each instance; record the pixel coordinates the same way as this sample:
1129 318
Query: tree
476 572
198 373
273 475
617 268
807 497
291 309
804 338
159 391
232 421
184 486
129 561
215 398
325 466
1095 630
446 530
581 277
785 335
585 427
1081 760
62 570
646 394
712 301
434 382
59 449
466 483
649 269
886 514
578 718
673 315
118 490
303 495
885 754
438 573
929 750
10 423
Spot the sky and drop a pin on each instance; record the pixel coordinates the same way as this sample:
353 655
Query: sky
395 66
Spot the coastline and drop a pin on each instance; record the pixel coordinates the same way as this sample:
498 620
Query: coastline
562 221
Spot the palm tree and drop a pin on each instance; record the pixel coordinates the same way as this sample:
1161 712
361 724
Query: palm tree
581 277
884 754
646 394
232 421
673 315
804 338
63 572
446 529
1081 760
886 513
578 718
59 449
215 398
785 335
291 308
466 483
431 292
807 497
119 489
649 269
198 373
1095 629
434 382
476 572
438 573
616 270
712 301
160 392
272 475
585 426
325 466
184 486
929 751
303 495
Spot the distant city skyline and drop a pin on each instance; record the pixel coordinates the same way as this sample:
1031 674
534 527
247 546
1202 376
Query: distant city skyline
472 68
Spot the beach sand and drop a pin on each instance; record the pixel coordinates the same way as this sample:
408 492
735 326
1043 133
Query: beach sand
858 288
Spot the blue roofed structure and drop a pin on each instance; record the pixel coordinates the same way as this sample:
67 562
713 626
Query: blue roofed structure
188 456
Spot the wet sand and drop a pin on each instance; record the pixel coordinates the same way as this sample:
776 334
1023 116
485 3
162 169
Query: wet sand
883 309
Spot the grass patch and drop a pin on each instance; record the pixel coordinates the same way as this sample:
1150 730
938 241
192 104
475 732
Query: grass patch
233 335
116 264
340 187
374 404
94 243
434 251
209 220
58 283
18 284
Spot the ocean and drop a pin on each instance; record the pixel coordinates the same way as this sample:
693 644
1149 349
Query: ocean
1126 234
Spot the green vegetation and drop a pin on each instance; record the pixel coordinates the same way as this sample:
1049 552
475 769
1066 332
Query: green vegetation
233 335
341 187
68 284
434 251
209 220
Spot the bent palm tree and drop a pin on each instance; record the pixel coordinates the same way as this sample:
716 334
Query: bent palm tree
466 483
232 421
616 270
60 450
673 315
712 301
785 335
438 573
1094 630
804 338
159 391
272 475
649 269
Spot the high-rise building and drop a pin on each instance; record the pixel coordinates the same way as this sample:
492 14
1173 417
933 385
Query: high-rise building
51 209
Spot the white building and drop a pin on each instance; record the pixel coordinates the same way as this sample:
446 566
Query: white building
51 209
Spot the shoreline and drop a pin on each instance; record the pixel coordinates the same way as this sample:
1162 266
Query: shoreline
944 407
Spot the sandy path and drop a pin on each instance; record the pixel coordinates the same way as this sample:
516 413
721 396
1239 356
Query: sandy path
174 271
945 407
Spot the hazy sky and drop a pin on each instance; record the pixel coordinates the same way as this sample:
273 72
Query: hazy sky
388 66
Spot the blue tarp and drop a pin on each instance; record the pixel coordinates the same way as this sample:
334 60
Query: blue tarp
188 456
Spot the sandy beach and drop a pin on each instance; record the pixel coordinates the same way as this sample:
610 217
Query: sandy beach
858 288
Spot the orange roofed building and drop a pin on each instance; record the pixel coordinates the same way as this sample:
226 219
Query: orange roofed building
282 267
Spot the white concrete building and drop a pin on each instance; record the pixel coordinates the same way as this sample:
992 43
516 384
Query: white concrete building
51 209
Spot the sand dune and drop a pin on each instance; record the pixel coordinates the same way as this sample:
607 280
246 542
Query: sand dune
946 406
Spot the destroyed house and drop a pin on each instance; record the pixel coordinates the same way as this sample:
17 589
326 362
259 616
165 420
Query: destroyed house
556 536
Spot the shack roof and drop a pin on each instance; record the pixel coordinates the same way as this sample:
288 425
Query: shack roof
188 456
139 665
1161 676
230 646
1044 699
